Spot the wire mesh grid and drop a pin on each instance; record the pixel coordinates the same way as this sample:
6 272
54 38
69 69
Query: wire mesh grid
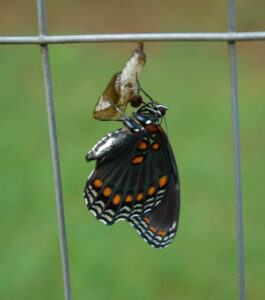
230 37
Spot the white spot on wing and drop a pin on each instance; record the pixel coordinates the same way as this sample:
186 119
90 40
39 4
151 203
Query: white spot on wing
91 199
94 193
101 203
161 192
110 211
103 221
93 212
107 144
126 208
97 209
108 218
174 225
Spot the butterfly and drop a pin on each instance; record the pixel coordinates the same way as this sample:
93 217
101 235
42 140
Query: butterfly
136 177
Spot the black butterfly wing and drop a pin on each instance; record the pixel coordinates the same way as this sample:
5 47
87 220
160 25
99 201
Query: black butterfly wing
137 181
104 190
158 226
124 181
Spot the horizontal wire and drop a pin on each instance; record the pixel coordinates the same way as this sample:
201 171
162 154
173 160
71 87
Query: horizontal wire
132 37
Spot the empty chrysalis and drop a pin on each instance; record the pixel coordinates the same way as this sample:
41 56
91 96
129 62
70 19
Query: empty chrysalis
122 89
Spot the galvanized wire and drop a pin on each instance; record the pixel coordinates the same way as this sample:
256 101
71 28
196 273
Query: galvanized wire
54 150
135 37
236 152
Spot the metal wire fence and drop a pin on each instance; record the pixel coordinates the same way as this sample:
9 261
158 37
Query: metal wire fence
230 37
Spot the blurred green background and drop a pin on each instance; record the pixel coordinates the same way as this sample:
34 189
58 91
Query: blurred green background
193 80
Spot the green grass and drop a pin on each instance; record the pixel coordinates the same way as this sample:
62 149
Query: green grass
114 262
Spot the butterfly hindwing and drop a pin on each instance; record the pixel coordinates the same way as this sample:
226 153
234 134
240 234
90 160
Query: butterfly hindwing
158 227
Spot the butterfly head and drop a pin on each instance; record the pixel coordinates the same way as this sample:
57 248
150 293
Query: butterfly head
150 113
160 108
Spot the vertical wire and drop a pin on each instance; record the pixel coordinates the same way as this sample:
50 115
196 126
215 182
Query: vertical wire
236 152
54 150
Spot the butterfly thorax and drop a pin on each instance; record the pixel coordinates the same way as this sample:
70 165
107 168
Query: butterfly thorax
146 116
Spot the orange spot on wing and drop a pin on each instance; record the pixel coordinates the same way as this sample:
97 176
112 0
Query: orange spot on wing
140 197
161 233
97 183
151 191
152 228
116 200
128 198
107 191
146 220
162 181
137 160
155 146
151 128
162 131
142 146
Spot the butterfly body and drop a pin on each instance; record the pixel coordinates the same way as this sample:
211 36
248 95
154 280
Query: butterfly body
136 177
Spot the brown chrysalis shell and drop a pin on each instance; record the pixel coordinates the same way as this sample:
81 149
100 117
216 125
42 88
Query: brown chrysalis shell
122 88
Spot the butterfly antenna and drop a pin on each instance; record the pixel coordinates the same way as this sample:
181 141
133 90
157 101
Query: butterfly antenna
149 97
117 108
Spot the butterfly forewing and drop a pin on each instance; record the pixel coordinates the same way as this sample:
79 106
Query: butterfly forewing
104 182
